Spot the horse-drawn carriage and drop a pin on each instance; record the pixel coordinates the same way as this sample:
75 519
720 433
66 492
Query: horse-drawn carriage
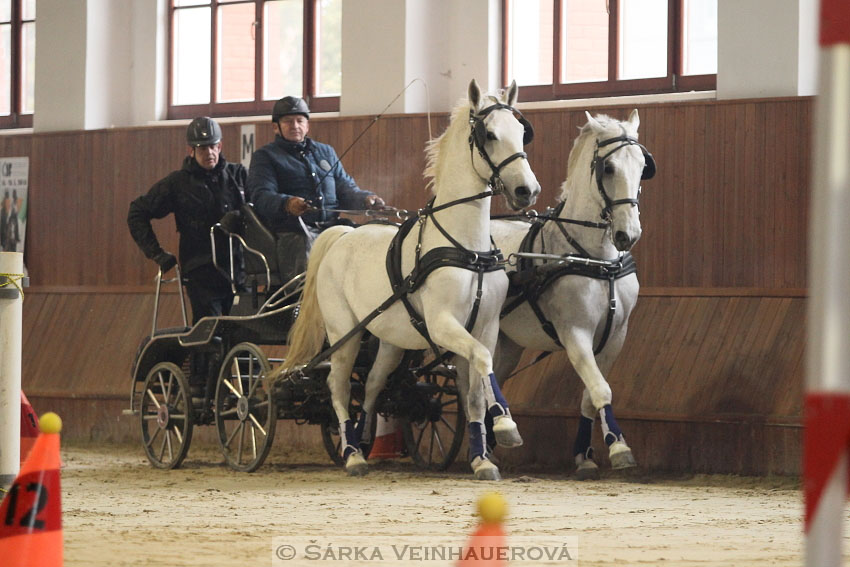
226 355
436 283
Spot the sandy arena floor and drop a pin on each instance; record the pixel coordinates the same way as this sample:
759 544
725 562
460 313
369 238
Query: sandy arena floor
117 510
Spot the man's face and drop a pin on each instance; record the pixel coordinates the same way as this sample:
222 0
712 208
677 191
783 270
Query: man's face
207 156
293 127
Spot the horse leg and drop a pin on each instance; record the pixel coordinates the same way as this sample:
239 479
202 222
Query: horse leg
472 399
580 353
506 358
386 360
586 468
339 383
504 427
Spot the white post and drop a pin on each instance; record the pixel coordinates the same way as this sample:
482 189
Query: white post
11 316
827 406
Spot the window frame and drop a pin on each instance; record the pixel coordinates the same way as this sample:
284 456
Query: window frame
258 106
17 118
675 81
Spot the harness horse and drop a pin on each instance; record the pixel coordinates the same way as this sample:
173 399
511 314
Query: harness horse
575 283
454 286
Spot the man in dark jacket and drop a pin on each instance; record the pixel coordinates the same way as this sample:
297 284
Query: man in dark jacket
295 182
198 194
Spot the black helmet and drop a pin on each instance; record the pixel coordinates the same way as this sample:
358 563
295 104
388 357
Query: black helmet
203 131
289 105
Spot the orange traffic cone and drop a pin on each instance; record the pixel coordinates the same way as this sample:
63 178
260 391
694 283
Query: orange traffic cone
388 439
487 546
29 427
31 514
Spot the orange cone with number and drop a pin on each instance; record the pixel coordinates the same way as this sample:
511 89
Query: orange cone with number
487 546
29 427
388 439
31 514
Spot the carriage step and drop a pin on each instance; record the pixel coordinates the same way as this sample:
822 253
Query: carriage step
129 412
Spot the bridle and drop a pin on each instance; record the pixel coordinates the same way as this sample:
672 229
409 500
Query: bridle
478 139
597 167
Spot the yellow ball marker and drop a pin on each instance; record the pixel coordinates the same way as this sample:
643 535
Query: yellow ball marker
50 423
492 508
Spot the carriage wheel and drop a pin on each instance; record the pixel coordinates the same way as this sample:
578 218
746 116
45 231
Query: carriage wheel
245 413
166 416
434 435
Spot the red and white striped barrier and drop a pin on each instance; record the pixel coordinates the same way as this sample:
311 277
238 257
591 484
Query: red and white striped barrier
827 405
389 443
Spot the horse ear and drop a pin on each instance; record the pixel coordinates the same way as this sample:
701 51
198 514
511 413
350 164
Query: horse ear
634 119
593 122
474 93
512 94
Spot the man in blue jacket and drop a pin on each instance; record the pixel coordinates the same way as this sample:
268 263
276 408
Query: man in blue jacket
296 182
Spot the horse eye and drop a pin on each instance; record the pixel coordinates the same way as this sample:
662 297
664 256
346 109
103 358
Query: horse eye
491 136
609 169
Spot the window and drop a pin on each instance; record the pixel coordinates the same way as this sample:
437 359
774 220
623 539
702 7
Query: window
583 48
17 62
233 57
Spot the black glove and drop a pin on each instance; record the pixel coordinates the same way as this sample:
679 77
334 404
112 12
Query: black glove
166 260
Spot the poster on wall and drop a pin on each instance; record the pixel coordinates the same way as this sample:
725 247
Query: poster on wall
14 178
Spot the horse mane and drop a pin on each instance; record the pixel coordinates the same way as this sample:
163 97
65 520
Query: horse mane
435 146
583 144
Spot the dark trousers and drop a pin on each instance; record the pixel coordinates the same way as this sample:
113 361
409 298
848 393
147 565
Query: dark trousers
209 293
210 296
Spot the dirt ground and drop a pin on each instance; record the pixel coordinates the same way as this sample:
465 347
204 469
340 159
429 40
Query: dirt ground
117 510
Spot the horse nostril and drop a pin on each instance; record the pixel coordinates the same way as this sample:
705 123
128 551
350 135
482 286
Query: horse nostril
622 241
523 192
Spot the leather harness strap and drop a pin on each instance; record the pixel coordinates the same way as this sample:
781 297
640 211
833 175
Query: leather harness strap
530 281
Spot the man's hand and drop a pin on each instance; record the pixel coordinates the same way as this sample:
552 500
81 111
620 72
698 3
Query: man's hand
296 206
166 261
374 202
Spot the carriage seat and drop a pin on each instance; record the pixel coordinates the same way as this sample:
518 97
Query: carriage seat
259 238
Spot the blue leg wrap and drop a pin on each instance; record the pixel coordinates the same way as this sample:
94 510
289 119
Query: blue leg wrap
350 438
610 429
359 428
500 407
491 437
477 439
582 444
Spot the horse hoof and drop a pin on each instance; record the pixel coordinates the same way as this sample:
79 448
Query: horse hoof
587 470
485 470
356 465
621 456
506 432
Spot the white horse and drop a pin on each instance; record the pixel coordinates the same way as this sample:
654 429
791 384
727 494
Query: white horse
348 279
582 305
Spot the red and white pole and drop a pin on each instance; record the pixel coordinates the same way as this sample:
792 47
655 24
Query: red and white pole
827 405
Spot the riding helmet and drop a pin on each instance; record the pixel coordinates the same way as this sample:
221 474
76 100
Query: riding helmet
203 131
289 105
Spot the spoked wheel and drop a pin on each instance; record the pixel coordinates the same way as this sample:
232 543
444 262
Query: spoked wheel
245 414
166 416
434 432
330 429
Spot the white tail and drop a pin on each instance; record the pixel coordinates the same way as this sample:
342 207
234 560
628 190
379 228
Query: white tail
307 334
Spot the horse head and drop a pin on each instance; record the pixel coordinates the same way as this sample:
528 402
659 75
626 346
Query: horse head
618 163
498 132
